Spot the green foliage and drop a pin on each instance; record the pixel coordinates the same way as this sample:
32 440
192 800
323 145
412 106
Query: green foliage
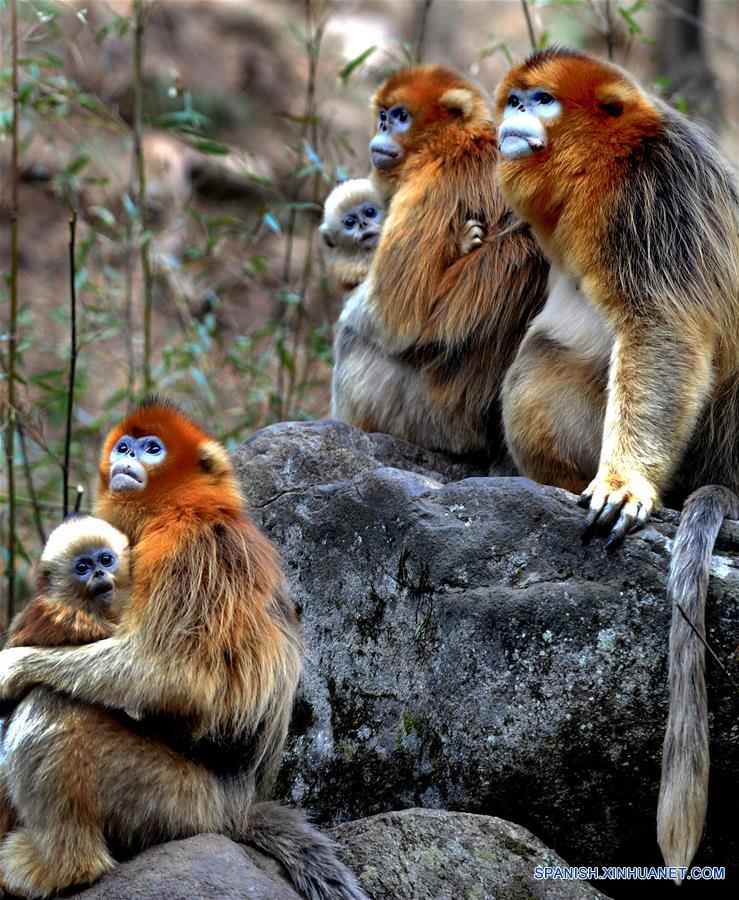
233 381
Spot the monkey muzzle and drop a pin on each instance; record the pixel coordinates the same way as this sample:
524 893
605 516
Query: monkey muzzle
127 475
384 151
368 239
520 136
102 590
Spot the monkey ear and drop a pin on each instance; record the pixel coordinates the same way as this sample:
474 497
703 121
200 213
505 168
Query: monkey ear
465 104
328 238
611 100
213 458
43 579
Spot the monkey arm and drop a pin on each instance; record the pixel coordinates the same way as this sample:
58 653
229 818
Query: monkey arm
416 246
502 281
111 672
660 379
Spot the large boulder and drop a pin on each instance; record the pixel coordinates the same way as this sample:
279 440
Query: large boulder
206 867
414 855
423 854
466 651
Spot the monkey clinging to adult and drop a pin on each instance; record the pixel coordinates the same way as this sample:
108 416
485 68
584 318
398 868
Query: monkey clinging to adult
208 652
82 582
626 386
353 215
423 342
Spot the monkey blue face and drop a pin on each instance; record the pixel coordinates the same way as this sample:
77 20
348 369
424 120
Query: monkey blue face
131 459
522 132
362 224
94 570
386 150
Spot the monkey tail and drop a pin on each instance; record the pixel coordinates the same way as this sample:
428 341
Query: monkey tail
308 855
683 793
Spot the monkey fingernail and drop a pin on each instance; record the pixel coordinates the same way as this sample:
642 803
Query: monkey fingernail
583 500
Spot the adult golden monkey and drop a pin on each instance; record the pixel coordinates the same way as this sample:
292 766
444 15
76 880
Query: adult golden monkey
626 386
423 343
208 652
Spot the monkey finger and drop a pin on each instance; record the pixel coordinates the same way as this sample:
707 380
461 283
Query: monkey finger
584 500
642 517
590 525
629 515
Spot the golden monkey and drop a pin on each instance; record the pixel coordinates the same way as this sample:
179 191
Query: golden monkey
626 386
424 341
353 214
208 650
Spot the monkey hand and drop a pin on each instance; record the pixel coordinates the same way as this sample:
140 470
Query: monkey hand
471 236
618 504
14 675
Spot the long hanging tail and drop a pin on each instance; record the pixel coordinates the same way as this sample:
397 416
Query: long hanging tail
683 793
308 855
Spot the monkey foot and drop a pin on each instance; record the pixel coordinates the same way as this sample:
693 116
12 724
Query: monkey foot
618 505
471 237
26 869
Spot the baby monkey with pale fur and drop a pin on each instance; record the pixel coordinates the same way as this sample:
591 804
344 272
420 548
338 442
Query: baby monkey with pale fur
82 581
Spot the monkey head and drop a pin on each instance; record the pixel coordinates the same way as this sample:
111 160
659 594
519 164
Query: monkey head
352 216
155 459
414 108
563 116
84 559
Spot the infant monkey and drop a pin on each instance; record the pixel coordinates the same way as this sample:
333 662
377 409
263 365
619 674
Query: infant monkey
352 221
82 581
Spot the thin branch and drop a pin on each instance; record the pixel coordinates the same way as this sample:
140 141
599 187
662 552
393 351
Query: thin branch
707 646
609 29
138 113
72 359
313 37
10 422
128 317
30 486
529 24
422 30
78 498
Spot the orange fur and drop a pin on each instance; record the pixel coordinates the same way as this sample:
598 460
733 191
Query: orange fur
49 623
447 323
629 377
208 652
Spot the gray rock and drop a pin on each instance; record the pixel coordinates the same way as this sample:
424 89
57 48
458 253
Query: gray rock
466 651
423 854
206 867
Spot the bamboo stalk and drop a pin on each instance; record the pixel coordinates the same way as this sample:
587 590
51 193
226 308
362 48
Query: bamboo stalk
138 114
11 419
72 360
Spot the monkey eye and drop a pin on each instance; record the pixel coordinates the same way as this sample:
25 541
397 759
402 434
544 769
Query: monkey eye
81 567
153 448
349 222
106 559
543 98
370 212
399 113
383 115
122 447
513 101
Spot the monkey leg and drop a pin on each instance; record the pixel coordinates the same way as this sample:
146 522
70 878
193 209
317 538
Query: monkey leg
77 775
553 410
8 817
